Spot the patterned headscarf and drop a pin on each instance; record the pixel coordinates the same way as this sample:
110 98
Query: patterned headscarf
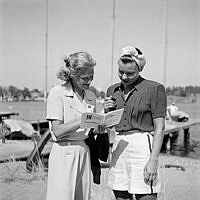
135 54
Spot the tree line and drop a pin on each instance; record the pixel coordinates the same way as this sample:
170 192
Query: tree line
17 94
183 91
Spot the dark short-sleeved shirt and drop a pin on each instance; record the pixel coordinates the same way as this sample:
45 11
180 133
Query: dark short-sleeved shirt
145 102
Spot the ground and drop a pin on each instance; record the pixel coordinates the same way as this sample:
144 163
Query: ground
180 176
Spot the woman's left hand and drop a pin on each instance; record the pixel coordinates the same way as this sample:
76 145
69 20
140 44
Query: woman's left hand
150 171
100 129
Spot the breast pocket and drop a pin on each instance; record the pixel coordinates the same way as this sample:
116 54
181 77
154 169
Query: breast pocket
71 110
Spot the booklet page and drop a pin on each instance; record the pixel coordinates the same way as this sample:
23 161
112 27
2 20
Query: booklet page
92 120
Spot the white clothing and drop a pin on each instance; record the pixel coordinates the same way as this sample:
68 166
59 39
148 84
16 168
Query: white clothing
173 109
69 174
63 104
129 157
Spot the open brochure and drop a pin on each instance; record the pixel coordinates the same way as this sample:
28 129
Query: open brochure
92 120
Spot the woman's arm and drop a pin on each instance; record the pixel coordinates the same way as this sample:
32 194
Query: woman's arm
60 128
150 171
159 125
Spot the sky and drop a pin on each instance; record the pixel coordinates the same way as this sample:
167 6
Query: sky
87 25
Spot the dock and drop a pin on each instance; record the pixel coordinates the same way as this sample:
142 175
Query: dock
20 150
5 115
173 129
31 151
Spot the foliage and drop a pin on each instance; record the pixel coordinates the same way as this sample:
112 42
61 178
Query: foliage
26 93
16 93
183 91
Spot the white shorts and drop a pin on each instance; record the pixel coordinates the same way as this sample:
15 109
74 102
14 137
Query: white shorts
69 174
129 157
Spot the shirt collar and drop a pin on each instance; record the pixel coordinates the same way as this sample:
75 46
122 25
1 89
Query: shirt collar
136 85
69 92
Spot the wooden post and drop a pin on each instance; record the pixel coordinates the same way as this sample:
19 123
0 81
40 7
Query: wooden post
113 41
173 140
164 144
187 140
2 132
38 127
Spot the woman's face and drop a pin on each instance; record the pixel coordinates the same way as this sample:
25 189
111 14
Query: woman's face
128 73
84 79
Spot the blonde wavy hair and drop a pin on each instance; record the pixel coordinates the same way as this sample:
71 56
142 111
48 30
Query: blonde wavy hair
75 64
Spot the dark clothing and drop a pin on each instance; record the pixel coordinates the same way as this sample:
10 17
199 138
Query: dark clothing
123 194
145 102
146 196
99 149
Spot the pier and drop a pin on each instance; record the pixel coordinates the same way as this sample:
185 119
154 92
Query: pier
32 150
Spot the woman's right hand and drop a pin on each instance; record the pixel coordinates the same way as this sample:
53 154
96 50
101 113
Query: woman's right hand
109 103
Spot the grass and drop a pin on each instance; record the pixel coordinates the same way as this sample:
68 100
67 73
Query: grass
16 172
19 184
176 184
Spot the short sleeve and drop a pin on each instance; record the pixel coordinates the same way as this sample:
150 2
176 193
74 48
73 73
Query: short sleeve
55 107
158 101
111 90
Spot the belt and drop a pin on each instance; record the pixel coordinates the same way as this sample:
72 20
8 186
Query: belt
130 132
70 142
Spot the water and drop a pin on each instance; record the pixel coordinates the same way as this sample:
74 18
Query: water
32 110
28 110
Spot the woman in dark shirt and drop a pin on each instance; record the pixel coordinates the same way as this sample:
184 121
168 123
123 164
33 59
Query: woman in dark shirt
139 134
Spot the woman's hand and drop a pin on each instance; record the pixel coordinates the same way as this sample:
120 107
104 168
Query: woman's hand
109 103
150 172
100 129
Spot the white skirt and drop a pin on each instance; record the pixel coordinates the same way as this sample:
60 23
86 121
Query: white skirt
129 157
69 173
